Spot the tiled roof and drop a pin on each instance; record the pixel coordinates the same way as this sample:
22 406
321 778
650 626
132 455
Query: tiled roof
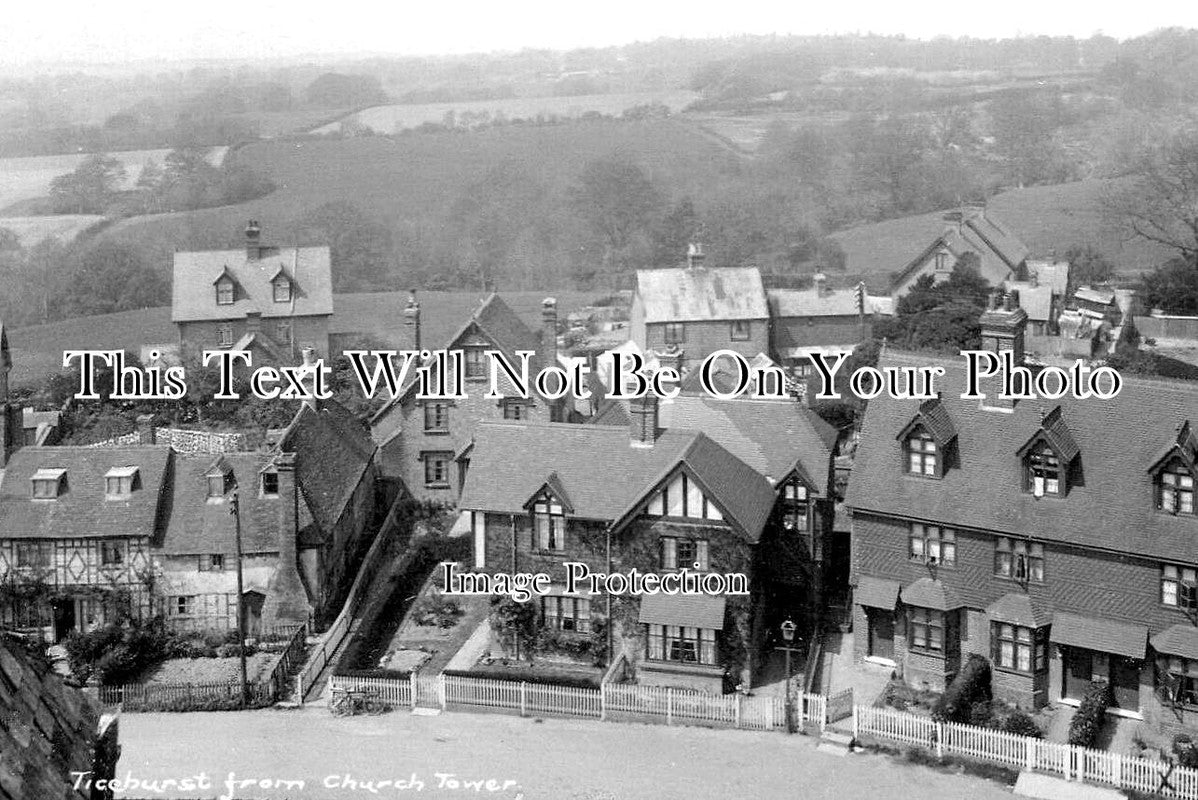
1118 441
1104 297
701 293
603 474
692 611
1053 274
1177 640
934 418
876 593
332 452
813 303
195 273
929 593
1017 608
998 250
1103 635
199 526
82 509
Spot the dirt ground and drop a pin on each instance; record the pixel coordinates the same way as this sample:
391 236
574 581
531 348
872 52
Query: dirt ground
555 759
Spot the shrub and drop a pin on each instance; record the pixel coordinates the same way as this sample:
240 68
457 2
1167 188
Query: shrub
970 687
1020 724
195 648
434 609
1184 749
118 653
1087 722
234 651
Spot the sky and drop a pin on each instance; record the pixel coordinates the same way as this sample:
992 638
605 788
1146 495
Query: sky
34 31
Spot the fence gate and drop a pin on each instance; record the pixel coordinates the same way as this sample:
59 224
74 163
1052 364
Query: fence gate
427 691
840 705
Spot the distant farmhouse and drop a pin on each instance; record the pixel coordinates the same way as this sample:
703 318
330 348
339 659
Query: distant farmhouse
264 298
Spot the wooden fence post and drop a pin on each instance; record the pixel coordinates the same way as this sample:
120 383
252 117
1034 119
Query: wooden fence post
736 711
412 687
1029 761
523 697
602 701
855 721
939 734
441 689
669 706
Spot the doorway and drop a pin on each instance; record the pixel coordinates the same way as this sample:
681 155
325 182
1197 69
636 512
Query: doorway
1078 673
881 633
64 618
1125 683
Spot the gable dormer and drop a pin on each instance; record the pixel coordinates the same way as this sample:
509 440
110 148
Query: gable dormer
549 507
794 501
282 287
928 440
1048 457
49 483
225 287
681 496
219 479
1173 473
121 482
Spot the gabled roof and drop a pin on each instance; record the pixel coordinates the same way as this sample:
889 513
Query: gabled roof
1056 434
933 417
332 450
687 294
553 486
82 511
193 298
999 251
1183 446
1053 274
1112 509
604 475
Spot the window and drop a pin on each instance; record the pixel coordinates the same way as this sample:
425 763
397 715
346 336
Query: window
682 644
270 484
926 630
112 553
436 468
224 335
120 482
436 417
476 362
1178 587
930 544
44 488
566 613
549 527
682 497
741 330
34 554
282 290
922 456
677 553
1179 678
674 333
1018 648
1043 471
794 507
283 331
1018 559
180 605
1175 489
515 409
224 292
217 485
213 562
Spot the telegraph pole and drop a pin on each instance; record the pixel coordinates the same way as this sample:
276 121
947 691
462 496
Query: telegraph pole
235 510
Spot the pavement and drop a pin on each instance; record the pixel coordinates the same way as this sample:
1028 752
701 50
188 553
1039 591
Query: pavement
307 753
867 680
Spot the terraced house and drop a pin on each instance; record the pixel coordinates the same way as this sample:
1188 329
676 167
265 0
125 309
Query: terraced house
657 500
1055 537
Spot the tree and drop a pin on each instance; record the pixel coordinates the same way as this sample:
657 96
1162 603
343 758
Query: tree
361 249
1024 126
90 188
1087 266
113 276
1172 287
677 229
1161 204
493 213
619 202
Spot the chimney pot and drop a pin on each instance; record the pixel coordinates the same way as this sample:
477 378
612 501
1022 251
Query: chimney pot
253 249
549 330
411 316
145 429
694 254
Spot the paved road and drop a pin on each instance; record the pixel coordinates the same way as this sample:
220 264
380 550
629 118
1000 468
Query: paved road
555 760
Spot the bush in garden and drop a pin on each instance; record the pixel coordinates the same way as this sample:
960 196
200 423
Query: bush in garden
434 609
1087 722
1020 724
1185 751
970 687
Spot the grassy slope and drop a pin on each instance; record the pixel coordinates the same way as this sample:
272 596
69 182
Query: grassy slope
1046 218
416 178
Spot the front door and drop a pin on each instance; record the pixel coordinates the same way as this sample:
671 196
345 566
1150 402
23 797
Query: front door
1079 672
881 633
64 618
1125 683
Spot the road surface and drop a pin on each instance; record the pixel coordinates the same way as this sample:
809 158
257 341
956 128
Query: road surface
557 759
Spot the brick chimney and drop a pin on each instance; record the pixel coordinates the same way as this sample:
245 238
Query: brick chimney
549 331
253 247
820 280
1004 325
286 597
411 318
694 255
145 429
12 415
643 417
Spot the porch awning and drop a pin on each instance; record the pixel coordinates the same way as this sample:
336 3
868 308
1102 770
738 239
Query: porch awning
876 593
691 611
1177 640
928 593
1017 608
1103 635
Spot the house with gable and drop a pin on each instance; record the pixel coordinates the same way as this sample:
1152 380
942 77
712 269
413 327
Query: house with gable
817 320
654 499
1054 537
422 443
692 311
273 301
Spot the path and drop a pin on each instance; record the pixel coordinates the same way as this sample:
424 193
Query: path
558 759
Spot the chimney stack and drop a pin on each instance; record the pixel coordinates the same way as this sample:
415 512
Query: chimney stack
411 318
286 600
694 255
1004 325
253 248
549 332
643 418
145 429
821 284
309 356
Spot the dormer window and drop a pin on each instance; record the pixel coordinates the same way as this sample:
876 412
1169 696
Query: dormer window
1175 488
794 506
49 484
281 287
549 526
219 479
224 292
923 457
120 482
476 362
1043 471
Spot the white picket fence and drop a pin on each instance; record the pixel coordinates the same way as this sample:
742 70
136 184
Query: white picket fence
656 703
1024 752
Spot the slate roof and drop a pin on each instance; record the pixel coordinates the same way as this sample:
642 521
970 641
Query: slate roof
1118 441
934 418
687 294
82 510
603 474
1000 252
813 303
332 450
692 611
876 592
193 296
1017 608
1103 635
1177 640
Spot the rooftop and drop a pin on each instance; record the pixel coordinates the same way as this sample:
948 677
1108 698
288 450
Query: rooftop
685 294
